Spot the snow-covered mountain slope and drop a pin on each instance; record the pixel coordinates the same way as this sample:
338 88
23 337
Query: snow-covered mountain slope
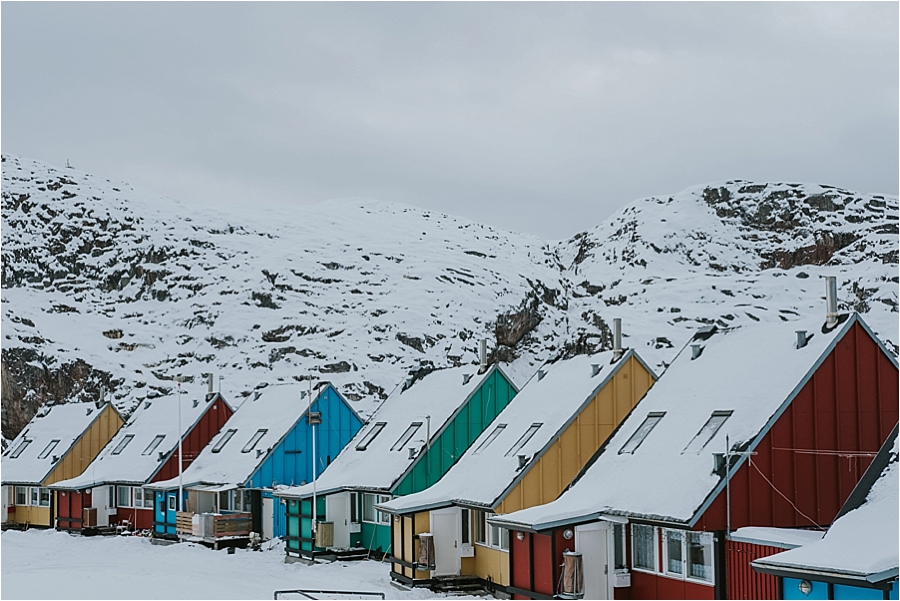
108 286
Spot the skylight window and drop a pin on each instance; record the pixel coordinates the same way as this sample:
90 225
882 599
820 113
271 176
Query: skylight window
370 436
253 440
19 449
523 440
638 437
153 444
224 440
487 441
124 443
49 448
707 432
406 436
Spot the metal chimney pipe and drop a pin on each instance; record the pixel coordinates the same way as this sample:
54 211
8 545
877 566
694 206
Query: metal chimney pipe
209 384
801 338
540 374
482 355
696 350
831 315
617 338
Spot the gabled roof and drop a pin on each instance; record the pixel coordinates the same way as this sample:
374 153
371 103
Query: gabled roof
234 454
383 461
540 412
62 423
754 372
862 545
143 445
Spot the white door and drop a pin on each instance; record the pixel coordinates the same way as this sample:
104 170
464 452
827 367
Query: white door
100 499
593 541
337 511
7 490
445 528
268 518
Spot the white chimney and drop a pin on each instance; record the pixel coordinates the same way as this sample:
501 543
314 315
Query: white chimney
831 315
617 339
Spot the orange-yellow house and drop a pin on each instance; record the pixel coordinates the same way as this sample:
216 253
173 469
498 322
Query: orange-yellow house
529 454
57 444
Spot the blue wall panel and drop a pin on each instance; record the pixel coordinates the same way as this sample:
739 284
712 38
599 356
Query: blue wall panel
791 589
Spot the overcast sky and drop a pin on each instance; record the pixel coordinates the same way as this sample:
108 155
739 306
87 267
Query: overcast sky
540 118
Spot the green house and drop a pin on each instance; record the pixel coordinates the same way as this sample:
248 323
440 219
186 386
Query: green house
410 441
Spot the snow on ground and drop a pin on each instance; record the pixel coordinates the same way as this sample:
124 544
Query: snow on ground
46 564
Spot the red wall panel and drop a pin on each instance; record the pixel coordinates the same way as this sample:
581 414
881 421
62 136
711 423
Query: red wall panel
656 586
208 426
69 509
142 519
848 406
743 581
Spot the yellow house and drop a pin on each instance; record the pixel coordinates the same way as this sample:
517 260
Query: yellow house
528 455
57 444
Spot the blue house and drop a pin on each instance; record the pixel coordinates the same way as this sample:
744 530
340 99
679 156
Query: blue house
268 442
858 556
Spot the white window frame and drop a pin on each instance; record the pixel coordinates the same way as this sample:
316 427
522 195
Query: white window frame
406 436
122 444
618 534
640 435
666 533
34 496
24 491
21 448
479 517
465 527
119 490
111 498
226 436
42 492
496 537
655 546
157 440
490 438
379 517
49 448
254 440
170 503
685 534
369 436
709 430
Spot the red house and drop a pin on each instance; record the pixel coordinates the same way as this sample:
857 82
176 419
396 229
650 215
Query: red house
798 417
110 491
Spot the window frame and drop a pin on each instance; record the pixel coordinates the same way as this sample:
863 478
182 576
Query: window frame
24 491
654 546
643 431
370 435
618 534
465 526
33 496
709 543
667 571
495 537
480 532
137 497
51 446
126 440
157 440
226 436
498 429
406 436
724 415
254 440
21 448
171 504
119 491
523 440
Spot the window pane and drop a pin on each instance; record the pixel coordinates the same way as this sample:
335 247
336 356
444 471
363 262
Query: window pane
138 497
45 497
404 438
172 503
643 430
111 496
504 539
495 535
148 498
223 441
619 546
48 449
124 496
21 496
368 507
464 514
153 444
699 555
673 551
370 436
353 508
20 448
523 440
487 441
478 525
707 432
122 444
644 543
253 440
223 501
34 496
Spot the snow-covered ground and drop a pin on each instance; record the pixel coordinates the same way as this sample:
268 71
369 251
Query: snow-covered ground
46 564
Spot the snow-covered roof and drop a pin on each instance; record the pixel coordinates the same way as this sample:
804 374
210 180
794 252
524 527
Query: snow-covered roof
861 544
748 374
141 447
785 538
52 433
232 456
490 467
377 464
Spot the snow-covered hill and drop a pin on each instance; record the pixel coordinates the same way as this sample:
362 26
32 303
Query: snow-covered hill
105 286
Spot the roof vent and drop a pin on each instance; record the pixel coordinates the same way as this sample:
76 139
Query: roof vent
523 459
412 453
831 315
595 369
89 410
161 456
466 378
696 351
302 394
146 405
54 459
617 339
802 339
196 402
255 395
259 453
540 374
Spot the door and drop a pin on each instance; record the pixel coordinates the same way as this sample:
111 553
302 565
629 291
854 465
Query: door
445 528
337 510
593 542
159 512
268 517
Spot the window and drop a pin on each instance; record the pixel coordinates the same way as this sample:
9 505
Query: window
638 437
699 555
18 450
478 524
372 515
464 520
707 432
111 496
48 449
674 546
171 502
619 546
21 496
34 496
124 443
643 543
406 436
253 440
354 510
370 436
487 441
142 498
224 500
240 500
148 499
153 444
523 440
123 497
223 441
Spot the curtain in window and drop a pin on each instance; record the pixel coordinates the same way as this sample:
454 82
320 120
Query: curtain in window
674 558
699 555
644 546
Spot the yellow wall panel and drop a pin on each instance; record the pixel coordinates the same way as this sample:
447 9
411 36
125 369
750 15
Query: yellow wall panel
38 516
86 449
492 564
422 524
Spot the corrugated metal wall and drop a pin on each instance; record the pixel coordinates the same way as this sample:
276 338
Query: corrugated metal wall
743 582
206 427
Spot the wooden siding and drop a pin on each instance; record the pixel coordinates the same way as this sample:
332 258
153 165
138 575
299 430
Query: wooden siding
194 441
568 454
849 406
30 515
86 449
486 402
492 564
